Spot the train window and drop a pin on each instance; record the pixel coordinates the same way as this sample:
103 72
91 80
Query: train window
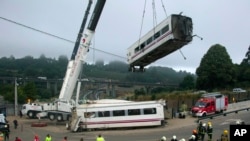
149 40
89 114
142 46
165 29
136 49
157 35
118 113
103 114
133 112
149 111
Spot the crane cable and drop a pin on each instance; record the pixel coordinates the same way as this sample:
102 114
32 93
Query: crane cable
55 36
154 15
164 8
143 13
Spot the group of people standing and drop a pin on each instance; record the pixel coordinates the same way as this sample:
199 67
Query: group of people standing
200 132
47 138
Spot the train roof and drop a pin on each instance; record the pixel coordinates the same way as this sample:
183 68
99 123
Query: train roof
117 102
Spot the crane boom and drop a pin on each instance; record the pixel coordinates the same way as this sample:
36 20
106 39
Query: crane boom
81 30
78 57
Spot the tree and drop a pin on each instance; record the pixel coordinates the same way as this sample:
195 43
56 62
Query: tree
216 69
30 91
99 63
187 83
243 71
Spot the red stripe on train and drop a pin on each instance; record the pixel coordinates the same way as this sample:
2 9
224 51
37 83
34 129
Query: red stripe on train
122 121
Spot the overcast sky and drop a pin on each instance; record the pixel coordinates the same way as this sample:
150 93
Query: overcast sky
226 22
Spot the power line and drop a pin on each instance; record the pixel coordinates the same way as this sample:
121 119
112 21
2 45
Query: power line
58 37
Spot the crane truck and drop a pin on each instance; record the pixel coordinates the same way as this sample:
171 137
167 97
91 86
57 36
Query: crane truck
60 109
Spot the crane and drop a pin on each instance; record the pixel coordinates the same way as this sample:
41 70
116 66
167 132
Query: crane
60 109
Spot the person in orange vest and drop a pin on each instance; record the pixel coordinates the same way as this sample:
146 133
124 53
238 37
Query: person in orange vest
36 138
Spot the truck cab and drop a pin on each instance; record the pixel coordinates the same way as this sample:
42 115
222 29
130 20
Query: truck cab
203 107
4 126
31 109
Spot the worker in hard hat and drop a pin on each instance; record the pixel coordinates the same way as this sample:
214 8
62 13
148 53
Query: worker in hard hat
1 136
182 139
209 131
239 122
203 132
195 133
192 138
174 138
199 127
163 138
224 136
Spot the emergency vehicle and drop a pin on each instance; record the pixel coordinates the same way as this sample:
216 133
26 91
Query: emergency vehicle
210 103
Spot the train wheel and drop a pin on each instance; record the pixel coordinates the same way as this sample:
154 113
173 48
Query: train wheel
204 115
51 116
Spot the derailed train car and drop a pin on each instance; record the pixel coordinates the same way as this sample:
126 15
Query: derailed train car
171 34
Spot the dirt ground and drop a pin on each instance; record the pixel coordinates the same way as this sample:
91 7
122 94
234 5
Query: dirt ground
26 132
58 130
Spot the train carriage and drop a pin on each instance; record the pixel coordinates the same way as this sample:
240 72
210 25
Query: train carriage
109 113
171 34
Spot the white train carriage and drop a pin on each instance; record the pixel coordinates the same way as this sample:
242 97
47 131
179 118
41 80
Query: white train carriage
171 34
107 113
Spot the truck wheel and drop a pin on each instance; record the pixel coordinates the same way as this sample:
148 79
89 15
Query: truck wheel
51 116
59 117
204 115
30 114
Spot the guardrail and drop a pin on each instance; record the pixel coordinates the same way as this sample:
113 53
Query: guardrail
222 114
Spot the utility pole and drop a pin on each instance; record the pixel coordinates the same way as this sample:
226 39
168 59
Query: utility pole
16 104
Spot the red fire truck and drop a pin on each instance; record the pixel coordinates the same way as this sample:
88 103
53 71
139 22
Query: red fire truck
210 103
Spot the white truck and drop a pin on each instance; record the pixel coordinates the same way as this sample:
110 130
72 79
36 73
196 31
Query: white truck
4 126
60 109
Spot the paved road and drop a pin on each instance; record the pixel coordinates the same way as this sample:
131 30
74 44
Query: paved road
180 127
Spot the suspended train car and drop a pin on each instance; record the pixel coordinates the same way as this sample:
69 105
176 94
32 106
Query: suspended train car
171 34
